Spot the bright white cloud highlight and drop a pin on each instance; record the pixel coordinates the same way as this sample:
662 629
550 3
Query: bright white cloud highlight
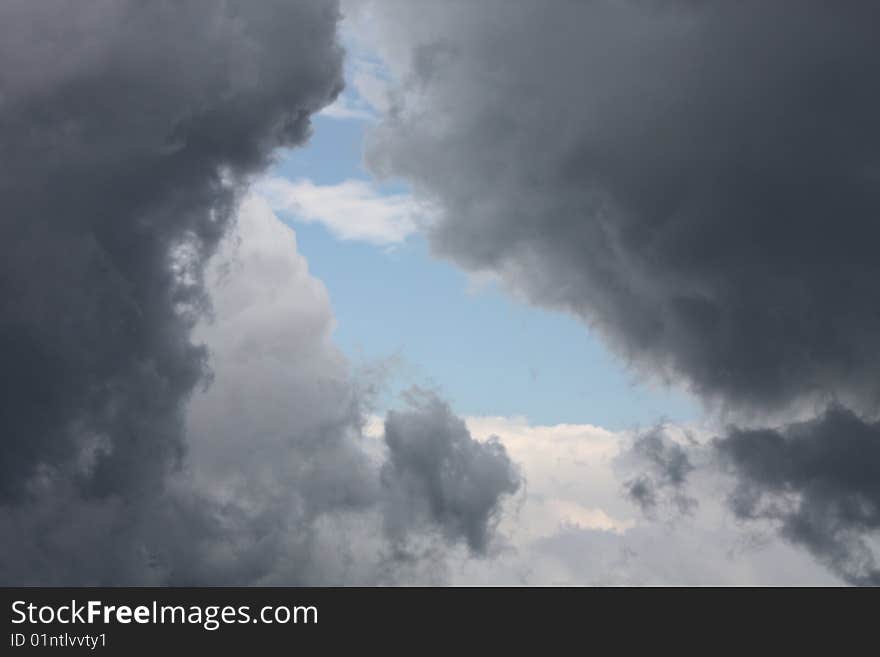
568 473
351 210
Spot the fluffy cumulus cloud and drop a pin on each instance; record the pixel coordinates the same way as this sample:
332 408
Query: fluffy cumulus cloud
572 525
148 436
699 181
277 445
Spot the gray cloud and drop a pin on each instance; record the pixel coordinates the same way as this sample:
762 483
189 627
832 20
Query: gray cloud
820 480
698 181
437 474
129 130
663 466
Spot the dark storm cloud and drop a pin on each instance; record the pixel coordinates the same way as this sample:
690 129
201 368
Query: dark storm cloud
820 480
664 468
437 474
127 129
699 181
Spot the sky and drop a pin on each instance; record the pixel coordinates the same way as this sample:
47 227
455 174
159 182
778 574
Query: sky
488 353
384 292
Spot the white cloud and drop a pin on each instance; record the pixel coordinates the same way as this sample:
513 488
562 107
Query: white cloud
573 526
272 352
351 210
568 473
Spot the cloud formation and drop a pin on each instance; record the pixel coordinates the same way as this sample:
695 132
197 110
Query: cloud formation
574 527
664 468
437 472
130 129
278 485
174 410
693 179
277 442
351 210
820 481
699 182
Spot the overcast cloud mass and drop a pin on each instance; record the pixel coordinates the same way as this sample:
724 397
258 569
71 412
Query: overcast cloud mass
698 181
